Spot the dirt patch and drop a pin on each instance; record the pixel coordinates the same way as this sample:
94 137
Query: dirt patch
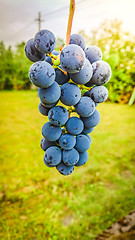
124 229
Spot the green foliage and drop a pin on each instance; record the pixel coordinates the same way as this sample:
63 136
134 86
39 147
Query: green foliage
22 68
59 42
14 67
119 51
37 202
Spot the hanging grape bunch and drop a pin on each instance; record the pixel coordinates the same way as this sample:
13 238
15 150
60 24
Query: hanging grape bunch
74 77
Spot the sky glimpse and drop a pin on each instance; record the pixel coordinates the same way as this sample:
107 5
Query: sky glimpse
17 17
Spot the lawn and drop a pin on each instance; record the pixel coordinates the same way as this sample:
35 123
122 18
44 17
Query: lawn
38 203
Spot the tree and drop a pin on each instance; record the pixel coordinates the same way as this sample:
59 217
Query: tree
22 68
14 67
119 51
6 67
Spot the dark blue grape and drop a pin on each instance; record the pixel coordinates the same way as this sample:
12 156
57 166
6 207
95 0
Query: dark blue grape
47 105
93 53
67 141
89 84
46 144
70 157
45 41
91 121
47 164
84 75
42 74
51 132
82 143
78 40
99 94
74 126
72 58
83 158
43 110
63 169
51 94
101 73
87 130
58 115
85 107
49 60
55 52
61 77
53 156
87 94
70 94
88 137
32 53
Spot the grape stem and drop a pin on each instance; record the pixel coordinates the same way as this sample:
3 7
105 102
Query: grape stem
84 87
70 20
70 109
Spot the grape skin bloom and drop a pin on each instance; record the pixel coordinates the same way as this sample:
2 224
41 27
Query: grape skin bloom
42 74
70 157
46 144
58 115
51 132
91 121
47 105
72 58
51 94
78 40
93 53
84 75
45 41
32 53
61 77
82 143
49 60
101 73
47 164
87 94
70 94
87 130
85 107
43 110
74 126
67 141
83 158
99 94
63 169
53 155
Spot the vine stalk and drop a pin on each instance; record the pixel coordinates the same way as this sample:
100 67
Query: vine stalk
70 20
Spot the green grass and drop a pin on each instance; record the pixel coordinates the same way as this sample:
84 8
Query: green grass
38 203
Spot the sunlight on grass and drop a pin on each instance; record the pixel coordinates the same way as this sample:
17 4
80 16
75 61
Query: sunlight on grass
37 202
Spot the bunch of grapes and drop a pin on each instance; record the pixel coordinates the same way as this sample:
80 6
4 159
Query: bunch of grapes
73 76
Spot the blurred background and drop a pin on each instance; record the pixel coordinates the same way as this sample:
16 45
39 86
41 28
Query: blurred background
37 202
108 24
